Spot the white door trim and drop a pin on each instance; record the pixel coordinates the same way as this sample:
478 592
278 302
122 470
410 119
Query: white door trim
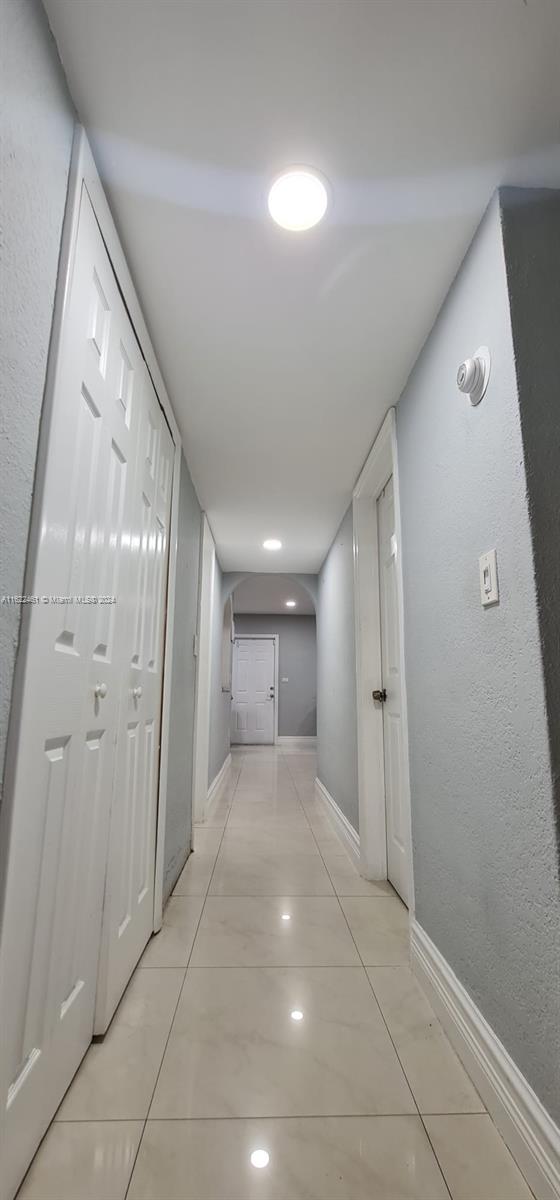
268 637
381 463
86 174
166 694
203 680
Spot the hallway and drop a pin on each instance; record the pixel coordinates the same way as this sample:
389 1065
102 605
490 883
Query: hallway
272 1042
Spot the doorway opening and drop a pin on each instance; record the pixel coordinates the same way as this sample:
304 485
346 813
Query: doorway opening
274 667
383 774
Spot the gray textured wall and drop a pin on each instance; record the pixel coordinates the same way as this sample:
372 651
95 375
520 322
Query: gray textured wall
220 702
482 816
37 130
297 706
531 231
337 748
179 784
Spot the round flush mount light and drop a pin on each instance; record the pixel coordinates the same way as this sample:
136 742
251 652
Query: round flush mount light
272 544
298 199
296 1014
290 604
286 917
260 1159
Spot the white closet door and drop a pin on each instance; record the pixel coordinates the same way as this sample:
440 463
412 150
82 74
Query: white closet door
129 896
57 841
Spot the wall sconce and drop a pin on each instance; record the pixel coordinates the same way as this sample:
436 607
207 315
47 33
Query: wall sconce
474 373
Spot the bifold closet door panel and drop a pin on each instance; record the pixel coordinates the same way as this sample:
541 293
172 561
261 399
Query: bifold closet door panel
129 893
65 751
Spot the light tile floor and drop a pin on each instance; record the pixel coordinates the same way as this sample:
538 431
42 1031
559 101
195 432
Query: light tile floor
274 1013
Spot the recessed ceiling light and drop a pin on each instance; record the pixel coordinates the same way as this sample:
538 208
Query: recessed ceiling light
272 544
286 917
260 1158
298 199
290 604
297 1014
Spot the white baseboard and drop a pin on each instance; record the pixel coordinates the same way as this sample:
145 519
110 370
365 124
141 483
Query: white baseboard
306 743
216 784
346 832
526 1127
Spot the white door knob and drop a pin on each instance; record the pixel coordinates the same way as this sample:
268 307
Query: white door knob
137 692
100 691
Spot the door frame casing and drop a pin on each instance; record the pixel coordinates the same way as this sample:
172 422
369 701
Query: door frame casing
380 465
203 675
84 173
264 637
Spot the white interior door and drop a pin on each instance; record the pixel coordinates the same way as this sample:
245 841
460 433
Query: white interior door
57 839
397 830
253 699
129 892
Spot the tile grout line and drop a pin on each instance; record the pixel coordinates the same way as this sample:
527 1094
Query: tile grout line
146 1119
370 1116
364 968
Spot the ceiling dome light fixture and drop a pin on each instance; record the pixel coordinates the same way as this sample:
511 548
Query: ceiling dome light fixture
290 604
298 199
272 544
260 1159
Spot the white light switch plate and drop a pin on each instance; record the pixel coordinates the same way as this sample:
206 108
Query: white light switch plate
488 564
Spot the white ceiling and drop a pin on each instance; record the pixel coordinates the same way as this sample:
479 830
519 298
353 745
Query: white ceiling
268 594
281 351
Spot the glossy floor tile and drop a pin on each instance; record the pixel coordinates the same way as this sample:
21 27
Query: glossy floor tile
288 814
196 875
321 1158
171 947
274 1012
206 839
439 1082
246 873
346 878
380 928
476 1163
84 1160
117 1077
250 931
236 1049
263 835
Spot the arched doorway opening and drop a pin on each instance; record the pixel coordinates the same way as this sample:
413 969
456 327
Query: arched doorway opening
273 661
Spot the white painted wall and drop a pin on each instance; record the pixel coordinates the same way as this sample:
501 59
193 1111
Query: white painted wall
337 745
483 821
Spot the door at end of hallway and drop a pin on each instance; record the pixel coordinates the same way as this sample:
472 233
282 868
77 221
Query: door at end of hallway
253 714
